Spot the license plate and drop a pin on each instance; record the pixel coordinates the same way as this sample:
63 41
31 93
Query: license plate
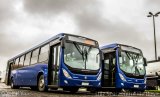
136 86
85 84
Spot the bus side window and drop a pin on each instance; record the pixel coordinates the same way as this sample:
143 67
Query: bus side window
58 56
21 61
16 63
106 64
43 57
55 50
34 58
12 65
114 61
27 59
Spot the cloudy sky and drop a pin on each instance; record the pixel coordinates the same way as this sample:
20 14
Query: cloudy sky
25 23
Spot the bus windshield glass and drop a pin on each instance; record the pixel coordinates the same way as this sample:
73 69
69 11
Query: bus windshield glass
132 63
81 56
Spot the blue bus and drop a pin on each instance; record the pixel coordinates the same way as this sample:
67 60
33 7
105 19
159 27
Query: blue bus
64 61
123 68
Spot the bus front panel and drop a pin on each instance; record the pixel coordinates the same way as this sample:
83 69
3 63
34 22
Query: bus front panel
80 66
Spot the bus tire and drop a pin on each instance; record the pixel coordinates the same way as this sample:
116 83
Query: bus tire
41 84
12 85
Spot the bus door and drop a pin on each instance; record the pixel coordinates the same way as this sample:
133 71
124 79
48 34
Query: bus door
109 69
53 67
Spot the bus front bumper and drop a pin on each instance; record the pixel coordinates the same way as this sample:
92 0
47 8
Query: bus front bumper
130 85
80 83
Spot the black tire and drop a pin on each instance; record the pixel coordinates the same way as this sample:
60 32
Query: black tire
71 89
33 88
13 86
41 84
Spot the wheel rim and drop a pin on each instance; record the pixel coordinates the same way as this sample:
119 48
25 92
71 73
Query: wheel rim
41 83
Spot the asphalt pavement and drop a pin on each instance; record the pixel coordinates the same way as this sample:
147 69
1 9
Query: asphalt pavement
6 91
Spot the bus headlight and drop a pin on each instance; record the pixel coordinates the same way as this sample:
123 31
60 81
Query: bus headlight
122 77
66 74
99 76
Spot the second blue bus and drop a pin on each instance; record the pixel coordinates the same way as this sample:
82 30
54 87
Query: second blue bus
123 68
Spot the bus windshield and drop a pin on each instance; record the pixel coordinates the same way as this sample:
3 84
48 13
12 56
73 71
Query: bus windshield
132 63
81 56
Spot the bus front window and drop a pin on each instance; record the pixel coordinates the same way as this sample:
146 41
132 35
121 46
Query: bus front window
132 63
81 56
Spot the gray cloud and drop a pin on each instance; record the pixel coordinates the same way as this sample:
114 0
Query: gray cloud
86 13
152 3
11 41
5 9
6 13
50 7
9 45
88 17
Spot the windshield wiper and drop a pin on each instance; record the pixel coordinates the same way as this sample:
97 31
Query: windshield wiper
83 51
135 61
137 72
87 52
79 50
128 55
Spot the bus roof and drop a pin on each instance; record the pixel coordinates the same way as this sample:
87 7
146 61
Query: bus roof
47 41
115 45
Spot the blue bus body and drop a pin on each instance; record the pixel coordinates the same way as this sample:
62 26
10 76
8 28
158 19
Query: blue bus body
65 78
125 82
28 77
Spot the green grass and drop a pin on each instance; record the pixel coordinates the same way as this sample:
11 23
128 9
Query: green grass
153 91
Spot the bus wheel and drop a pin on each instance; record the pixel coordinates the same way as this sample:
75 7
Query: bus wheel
12 85
41 84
